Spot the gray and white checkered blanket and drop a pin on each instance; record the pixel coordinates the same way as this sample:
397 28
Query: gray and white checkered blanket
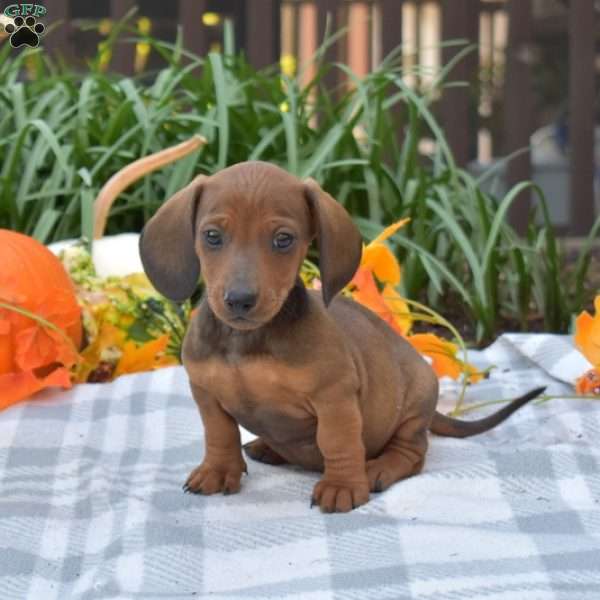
91 505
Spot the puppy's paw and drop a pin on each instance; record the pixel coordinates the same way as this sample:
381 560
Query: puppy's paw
340 496
209 479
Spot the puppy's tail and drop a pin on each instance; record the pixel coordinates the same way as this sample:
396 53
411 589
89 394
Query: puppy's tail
449 427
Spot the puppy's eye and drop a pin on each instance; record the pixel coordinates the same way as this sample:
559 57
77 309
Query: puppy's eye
282 241
213 238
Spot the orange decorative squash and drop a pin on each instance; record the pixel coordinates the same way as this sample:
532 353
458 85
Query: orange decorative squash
40 319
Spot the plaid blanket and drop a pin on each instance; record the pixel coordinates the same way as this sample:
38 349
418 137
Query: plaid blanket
91 505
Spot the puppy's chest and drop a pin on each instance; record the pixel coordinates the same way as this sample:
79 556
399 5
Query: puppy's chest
260 392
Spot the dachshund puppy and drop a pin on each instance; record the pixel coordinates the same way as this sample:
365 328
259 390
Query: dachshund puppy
323 382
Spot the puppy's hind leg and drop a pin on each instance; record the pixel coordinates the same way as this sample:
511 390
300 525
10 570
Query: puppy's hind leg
260 451
403 456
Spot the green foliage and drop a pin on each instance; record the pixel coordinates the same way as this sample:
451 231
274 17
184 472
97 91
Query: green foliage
63 134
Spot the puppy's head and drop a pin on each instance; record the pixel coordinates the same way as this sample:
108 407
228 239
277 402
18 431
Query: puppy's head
249 226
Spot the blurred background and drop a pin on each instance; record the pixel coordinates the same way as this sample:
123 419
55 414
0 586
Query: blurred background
532 77
478 120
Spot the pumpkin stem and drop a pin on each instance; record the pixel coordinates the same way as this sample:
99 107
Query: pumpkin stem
132 172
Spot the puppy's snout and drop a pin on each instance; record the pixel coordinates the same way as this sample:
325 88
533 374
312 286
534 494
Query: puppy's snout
240 302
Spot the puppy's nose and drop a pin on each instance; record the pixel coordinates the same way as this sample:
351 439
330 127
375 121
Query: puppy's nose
240 302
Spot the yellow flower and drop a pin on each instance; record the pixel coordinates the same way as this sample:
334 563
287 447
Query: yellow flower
287 63
211 19
144 25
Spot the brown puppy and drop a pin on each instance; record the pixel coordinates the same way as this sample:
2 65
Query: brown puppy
323 381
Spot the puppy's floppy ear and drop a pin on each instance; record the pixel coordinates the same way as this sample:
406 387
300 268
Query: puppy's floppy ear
340 242
167 244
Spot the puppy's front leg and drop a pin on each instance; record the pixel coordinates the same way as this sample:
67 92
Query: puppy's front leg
223 465
344 485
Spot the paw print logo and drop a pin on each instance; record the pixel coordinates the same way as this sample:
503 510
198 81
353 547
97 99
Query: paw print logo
24 32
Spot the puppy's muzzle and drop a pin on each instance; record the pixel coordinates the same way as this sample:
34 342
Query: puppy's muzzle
240 302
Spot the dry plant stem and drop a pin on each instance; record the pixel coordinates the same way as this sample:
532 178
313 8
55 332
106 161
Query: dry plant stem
540 400
458 338
44 323
131 173
546 398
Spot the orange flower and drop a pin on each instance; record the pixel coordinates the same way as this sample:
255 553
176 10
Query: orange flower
587 339
587 334
367 294
379 259
588 383
443 356
398 307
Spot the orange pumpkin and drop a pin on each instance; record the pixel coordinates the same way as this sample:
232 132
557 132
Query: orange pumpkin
40 319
